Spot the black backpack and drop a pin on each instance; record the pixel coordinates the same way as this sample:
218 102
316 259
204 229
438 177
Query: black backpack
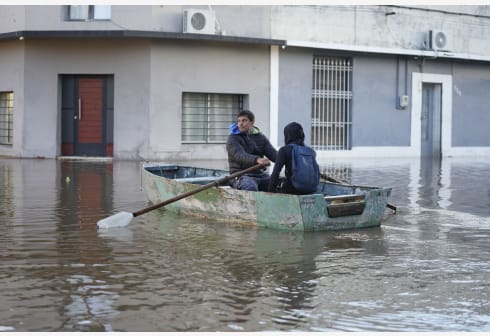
306 172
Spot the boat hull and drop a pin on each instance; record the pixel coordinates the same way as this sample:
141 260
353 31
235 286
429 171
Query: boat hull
334 207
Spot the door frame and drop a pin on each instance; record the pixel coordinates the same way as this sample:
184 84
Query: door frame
107 108
446 82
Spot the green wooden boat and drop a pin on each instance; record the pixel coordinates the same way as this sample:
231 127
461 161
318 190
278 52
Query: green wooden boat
334 207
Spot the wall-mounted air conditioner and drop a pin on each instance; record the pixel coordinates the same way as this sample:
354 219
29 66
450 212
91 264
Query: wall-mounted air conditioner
199 21
438 40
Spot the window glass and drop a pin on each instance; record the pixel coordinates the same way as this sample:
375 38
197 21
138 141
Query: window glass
206 117
102 12
78 12
6 118
89 12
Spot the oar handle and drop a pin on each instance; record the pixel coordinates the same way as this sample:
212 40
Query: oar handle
197 190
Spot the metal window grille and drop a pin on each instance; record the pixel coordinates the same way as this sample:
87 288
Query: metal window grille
6 118
206 117
331 103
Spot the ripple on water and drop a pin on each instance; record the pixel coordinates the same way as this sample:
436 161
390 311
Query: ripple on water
424 269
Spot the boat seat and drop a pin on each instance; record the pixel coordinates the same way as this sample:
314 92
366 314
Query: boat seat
345 205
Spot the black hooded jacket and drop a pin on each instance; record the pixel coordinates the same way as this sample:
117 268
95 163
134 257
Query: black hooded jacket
293 134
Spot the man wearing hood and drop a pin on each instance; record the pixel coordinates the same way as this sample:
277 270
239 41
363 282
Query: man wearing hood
246 147
293 135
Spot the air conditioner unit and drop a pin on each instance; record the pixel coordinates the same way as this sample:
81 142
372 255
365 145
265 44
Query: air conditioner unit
438 40
199 21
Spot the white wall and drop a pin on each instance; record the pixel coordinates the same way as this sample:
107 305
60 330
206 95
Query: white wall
370 26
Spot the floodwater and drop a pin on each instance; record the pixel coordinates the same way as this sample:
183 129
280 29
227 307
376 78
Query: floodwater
427 268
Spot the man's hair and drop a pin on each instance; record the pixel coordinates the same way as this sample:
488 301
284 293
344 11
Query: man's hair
248 114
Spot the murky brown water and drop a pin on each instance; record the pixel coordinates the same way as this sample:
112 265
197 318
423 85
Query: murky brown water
426 268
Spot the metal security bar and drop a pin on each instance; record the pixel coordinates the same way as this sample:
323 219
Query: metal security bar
331 103
6 118
206 117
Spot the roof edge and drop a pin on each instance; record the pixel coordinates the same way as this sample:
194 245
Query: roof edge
389 51
52 34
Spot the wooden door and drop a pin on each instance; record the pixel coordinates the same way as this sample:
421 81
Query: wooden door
87 116
89 140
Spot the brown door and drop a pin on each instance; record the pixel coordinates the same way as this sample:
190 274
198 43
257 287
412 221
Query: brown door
90 126
87 116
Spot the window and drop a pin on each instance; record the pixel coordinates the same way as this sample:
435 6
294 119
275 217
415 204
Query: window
331 103
89 12
206 117
6 118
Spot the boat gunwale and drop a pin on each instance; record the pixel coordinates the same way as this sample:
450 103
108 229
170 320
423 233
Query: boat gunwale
226 173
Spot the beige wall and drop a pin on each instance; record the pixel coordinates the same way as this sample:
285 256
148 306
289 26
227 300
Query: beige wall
45 60
149 78
12 79
197 67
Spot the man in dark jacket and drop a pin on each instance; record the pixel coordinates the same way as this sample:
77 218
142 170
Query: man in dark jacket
246 147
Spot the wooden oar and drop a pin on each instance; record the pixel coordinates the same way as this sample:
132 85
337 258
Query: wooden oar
124 218
331 179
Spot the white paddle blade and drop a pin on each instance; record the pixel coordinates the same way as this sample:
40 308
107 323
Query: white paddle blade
118 220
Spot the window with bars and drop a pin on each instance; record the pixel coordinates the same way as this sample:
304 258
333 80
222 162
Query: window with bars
6 118
331 103
206 117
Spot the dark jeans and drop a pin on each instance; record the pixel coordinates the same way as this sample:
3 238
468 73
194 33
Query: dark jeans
252 182
286 187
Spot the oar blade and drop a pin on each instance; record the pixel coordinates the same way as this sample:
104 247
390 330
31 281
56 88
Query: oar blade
118 220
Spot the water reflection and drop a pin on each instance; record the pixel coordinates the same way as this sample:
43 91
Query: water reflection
430 182
419 271
449 183
48 212
84 191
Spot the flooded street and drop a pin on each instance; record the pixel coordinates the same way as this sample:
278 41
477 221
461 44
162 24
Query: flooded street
427 268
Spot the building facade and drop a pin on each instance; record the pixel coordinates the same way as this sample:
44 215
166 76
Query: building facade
165 82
